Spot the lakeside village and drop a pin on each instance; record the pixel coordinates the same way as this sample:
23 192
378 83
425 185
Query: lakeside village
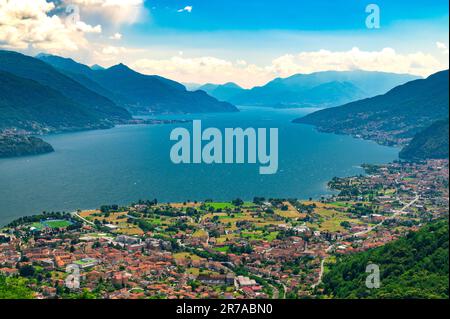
268 248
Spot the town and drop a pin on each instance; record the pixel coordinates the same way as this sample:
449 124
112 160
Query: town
265 248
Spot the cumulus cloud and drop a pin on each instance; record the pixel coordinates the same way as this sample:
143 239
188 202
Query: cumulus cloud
115 12
186 9
29 23
112 50
86 28
109 54
116 36
211 69
200 69
387 60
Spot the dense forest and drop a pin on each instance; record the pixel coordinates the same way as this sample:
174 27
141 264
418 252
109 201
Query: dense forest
430 143
416 266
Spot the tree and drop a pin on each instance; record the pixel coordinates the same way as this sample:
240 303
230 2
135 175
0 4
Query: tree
237 202
27 271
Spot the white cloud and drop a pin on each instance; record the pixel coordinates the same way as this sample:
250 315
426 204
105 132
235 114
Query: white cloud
387 60
116 36
199 70
28 24
109 54
112 50
115 12
84 27
186 9
211 69
442 47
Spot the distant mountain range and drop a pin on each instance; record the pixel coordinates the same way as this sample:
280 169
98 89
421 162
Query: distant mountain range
191 86
396 117
223 92
139 93
320 89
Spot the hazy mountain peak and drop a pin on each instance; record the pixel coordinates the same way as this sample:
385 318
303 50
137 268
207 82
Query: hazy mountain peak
120 67
232 85
97 67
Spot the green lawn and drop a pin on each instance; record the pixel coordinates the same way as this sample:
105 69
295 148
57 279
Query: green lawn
38 226
57 223
259 235
223 249
341 204
52 224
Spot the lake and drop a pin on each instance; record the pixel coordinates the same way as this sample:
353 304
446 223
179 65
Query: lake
128 163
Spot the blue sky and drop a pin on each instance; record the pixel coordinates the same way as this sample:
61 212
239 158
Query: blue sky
287 14
246 41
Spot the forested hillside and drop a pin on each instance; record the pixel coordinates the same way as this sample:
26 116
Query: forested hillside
413 267
390 118
430 143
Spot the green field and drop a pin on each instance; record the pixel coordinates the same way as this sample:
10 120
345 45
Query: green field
54 224
223 249
57 223
228 205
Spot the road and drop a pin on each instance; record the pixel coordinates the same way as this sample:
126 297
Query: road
276 292
399 212
82 218
319 281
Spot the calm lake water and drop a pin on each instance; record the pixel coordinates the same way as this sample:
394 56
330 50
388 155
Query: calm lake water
129 163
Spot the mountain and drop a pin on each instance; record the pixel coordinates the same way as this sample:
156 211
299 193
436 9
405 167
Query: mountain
137 92
97 67
80 73
93 104
191 86
392 118
413 267
222 92
28 105
320 89
430 143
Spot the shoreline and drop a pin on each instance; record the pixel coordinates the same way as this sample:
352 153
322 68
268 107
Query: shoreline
316 198
72 211
40 136
317 194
